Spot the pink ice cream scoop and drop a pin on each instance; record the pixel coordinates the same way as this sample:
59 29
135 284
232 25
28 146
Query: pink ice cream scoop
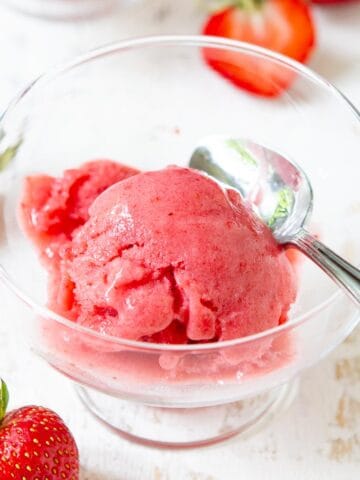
53 208
167 256
164 256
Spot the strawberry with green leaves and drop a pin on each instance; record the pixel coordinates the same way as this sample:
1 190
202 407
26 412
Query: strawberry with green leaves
35 444
284 26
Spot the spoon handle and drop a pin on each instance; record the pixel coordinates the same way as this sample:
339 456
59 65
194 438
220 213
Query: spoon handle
347 276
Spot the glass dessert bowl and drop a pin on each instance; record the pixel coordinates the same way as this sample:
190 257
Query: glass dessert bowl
146 103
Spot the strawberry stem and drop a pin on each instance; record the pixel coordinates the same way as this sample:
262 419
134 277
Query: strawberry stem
4 399
249 5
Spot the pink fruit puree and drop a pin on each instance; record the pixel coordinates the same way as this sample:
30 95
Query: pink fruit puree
163 256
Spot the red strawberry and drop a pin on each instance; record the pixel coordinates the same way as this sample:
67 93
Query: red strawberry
35 444
285 26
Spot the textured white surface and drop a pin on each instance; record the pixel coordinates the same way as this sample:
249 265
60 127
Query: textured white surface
319 436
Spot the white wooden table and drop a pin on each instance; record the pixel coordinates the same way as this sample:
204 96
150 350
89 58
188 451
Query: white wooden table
319 436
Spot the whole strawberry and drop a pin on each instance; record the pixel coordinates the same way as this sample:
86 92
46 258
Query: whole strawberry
284 26
35 444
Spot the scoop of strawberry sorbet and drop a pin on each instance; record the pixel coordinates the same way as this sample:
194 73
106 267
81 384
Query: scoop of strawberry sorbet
52 208
168 256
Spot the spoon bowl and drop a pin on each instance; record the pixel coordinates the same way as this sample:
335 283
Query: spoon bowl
279 192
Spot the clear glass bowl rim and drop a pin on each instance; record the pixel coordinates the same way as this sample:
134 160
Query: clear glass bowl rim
171 40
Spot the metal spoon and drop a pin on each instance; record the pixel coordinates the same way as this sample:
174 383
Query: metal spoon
281 195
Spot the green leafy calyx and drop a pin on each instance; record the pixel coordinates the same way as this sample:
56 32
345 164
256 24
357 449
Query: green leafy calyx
4 399
247 5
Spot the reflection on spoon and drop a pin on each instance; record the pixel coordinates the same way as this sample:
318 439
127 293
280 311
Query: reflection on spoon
279 193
